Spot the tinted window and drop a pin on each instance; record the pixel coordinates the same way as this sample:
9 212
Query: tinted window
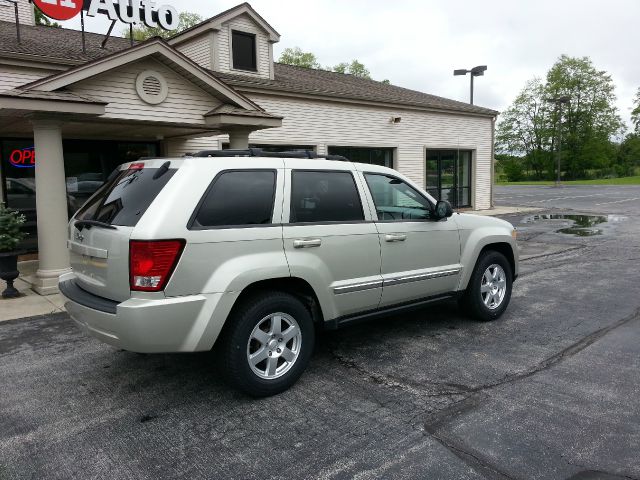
324 197
244 51
124 199
238 198
397 201
374 156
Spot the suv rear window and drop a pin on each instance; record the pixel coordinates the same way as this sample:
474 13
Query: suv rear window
237 198
125 197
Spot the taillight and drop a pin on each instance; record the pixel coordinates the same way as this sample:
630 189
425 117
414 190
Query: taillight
151 263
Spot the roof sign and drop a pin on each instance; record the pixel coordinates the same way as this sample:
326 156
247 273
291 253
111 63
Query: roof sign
59 9
127 11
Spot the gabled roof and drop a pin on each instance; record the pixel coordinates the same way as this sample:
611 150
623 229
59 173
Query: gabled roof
56 45
215 23
323 84
154 48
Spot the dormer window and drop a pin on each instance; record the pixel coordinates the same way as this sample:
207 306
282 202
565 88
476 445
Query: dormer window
244 51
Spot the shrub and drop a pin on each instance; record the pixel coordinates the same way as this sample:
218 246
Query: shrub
10 233
513 170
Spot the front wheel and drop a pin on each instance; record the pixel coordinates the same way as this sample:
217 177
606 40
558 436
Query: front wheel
489 290
267 344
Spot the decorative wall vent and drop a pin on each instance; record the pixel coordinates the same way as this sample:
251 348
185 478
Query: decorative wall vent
152 87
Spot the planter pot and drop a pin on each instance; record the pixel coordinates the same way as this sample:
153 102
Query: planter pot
9 272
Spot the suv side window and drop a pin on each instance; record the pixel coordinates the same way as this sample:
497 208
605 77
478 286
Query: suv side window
397 201
324 196
237 198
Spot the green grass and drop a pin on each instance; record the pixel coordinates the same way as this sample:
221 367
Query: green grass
603 181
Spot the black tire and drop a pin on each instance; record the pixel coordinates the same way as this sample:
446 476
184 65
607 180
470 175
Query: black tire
234 343
472 300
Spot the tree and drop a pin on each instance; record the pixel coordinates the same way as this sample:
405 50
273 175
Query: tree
531 126
295 56
142 32
42 19
628 159
354 68
635 113
525 129
590 120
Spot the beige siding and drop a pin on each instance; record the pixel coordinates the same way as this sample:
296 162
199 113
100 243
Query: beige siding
180 147
186 102
325 124
199 50
12 76
244 23
25 12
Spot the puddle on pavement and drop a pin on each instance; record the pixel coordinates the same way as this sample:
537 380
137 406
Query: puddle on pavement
583 225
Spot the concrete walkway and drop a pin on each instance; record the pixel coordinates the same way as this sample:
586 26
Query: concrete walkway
30 304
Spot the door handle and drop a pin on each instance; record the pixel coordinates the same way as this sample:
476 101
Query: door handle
394 237
314 242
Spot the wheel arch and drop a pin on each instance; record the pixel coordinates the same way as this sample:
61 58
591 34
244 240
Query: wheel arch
498 243
295 286
506 250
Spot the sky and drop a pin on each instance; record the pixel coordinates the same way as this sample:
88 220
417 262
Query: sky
417 44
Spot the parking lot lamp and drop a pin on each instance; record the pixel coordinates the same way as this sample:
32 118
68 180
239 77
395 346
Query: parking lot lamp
475 72
559 101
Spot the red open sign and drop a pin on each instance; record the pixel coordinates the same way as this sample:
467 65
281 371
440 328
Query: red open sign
24 158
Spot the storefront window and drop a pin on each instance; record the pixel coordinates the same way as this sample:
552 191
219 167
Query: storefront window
18 169
374 156
87 163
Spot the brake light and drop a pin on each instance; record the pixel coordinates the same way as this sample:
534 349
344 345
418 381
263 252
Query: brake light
151 263
136 166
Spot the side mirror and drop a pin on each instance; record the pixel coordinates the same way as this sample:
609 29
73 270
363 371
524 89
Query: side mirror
443 209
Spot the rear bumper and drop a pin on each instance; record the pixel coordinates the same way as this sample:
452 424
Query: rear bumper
180 324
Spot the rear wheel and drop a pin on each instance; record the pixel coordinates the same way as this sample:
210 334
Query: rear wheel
267 344
489 290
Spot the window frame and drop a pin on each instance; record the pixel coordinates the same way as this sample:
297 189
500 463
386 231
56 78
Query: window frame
194 214
346 149
455 187
325 222
254 37
375 207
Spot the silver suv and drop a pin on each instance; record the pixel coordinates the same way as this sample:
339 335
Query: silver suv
253 254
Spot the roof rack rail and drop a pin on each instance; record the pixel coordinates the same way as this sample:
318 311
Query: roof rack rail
258 152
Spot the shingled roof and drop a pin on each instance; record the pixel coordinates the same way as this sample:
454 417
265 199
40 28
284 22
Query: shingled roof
57 44
65 46
324 83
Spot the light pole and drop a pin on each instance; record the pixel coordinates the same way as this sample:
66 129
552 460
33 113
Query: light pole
475 72
559 101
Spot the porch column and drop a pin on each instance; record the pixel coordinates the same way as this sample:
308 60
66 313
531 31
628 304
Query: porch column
239 139
51 206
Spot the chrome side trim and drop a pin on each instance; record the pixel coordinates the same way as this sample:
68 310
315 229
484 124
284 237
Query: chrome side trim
357 287
417 278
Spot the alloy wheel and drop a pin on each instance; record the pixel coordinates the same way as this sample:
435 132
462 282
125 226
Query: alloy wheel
274 345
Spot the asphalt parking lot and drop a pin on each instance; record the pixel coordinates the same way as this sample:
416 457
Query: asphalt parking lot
549 391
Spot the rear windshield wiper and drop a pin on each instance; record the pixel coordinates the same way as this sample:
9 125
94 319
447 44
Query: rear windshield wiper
80 224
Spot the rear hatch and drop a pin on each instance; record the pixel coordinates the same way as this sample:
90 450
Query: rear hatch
99 233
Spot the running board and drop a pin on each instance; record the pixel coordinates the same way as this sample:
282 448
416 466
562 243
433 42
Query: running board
386 311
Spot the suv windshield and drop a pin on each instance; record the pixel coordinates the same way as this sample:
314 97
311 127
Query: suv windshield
125 197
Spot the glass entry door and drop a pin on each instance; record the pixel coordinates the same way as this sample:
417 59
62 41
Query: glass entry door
449 176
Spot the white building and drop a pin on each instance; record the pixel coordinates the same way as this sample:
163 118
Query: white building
82 112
